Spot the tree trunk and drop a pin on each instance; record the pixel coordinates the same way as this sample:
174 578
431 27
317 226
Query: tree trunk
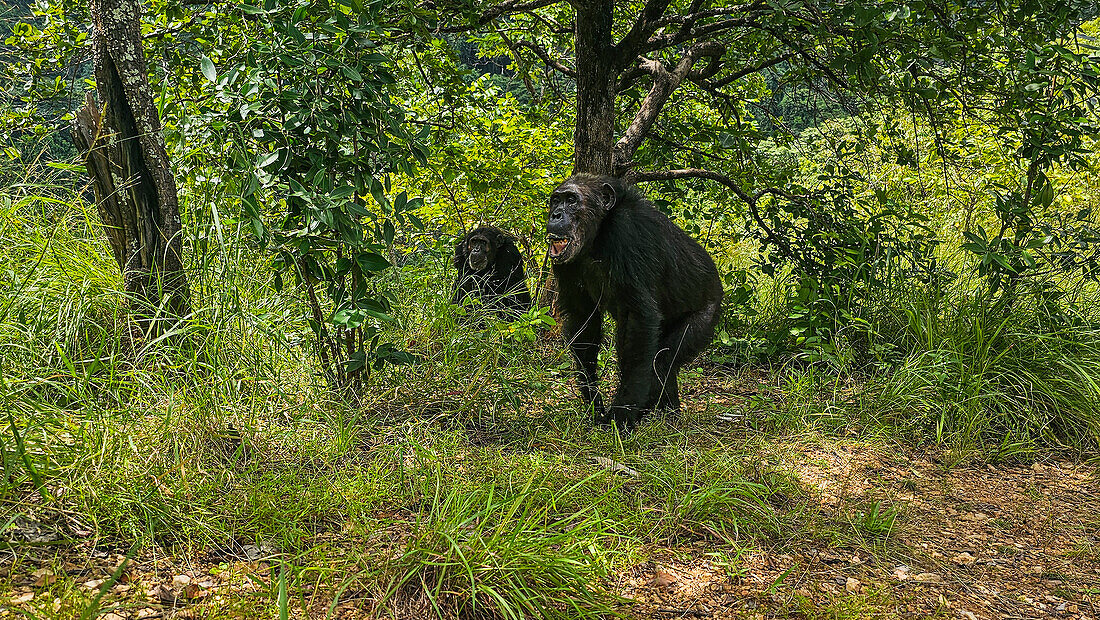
597 66
124 152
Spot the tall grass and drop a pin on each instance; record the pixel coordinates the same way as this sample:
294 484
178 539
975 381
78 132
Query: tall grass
946 362
479 457
1000 377
469 484
493 554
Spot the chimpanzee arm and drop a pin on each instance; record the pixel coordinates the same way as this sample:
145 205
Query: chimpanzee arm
636 339
582 328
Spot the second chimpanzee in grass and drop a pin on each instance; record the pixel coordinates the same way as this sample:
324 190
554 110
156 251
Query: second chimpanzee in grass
612 251
490 268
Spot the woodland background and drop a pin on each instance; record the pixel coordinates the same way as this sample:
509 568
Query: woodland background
901 200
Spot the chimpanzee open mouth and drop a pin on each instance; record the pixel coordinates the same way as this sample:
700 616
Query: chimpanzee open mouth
558 245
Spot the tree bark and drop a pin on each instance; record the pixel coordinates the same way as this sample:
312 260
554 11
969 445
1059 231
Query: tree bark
126 158
597 67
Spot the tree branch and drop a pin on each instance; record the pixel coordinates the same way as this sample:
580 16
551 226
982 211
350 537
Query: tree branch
810 59
685 35
629 77
737 75
518 60
508 7
546 59
630 45
664 83
693 15
679 146
750 200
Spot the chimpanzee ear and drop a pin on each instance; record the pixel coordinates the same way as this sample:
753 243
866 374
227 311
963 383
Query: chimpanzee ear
607 196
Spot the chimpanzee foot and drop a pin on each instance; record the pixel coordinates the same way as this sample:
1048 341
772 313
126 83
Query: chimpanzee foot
627 416
599 414
668 413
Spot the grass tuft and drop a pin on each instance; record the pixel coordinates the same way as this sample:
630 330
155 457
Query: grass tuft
494 554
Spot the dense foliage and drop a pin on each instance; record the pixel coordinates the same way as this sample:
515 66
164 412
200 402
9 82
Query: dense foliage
902 199
875 179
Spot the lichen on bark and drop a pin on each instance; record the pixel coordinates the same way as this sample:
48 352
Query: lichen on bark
131 174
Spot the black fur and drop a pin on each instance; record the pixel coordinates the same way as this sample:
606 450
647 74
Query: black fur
612 251
495 276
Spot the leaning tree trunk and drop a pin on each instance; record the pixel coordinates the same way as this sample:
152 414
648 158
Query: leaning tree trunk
597 66
124 152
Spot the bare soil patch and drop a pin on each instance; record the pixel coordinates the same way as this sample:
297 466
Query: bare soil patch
978 541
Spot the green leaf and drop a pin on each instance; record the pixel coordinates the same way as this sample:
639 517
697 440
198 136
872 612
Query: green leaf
371 261
388 352
379 195
351 73
268 159
208 69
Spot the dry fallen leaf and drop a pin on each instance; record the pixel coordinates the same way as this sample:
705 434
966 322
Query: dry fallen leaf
852 585
662 579
927 578
93 584
964 559
256 552
22 598
163 594
194 590
43 577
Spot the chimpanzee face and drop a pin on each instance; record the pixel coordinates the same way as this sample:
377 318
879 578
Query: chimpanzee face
576 209
479 252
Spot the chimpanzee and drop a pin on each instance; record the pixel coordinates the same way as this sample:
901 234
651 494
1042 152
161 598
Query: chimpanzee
490 268
613 251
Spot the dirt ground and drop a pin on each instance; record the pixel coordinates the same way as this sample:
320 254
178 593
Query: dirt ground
966 542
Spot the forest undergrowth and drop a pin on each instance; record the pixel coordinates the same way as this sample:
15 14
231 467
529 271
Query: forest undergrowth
211 473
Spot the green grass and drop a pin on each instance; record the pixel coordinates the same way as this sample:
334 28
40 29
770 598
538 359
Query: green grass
466 485
505 554
479 458
994 378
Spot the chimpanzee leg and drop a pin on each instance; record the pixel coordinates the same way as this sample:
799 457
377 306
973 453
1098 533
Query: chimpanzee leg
669 398
680 342
636 343
583 332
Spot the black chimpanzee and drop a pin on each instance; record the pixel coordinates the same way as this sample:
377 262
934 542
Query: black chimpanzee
613 251
490 268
